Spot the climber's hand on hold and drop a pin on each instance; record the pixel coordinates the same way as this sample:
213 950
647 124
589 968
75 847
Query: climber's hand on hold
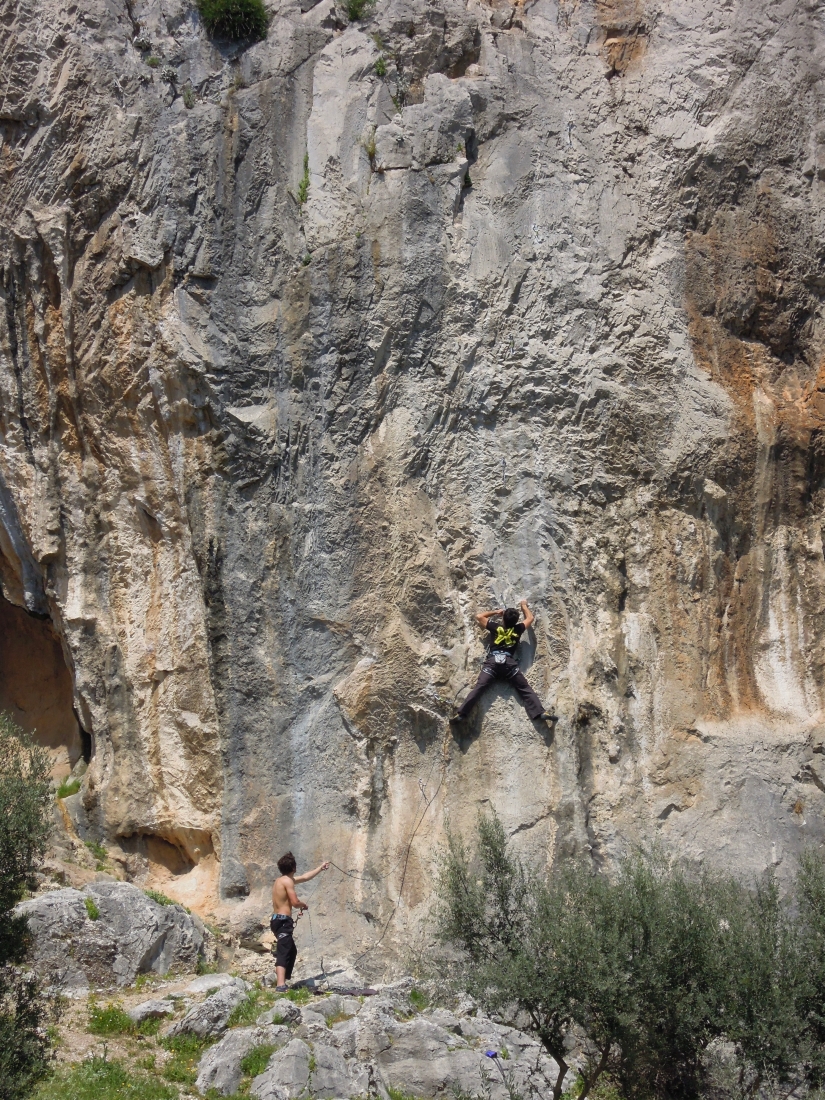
529 617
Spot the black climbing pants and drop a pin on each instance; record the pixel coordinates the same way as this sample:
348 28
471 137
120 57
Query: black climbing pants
508 670
285 950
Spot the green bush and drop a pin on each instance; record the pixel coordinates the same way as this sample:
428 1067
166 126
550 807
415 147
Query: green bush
97 850
110 1020
381 66
91 909
358 9
26 800
99 1079
68 787
418 999
651 967
158 897
234 19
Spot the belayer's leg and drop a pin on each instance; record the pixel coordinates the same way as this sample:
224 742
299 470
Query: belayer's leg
485 678
531 701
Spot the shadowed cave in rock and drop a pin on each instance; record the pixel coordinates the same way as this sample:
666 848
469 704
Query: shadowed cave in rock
36 686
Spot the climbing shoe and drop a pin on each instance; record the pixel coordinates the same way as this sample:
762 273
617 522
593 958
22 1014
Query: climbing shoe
281 988
548 716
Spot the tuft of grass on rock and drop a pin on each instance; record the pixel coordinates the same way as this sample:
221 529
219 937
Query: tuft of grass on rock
100 1079
68 787
358 9
303 186
153 61
381 66
91 909
418 999
97 850
109 1020
257 1060
236 20
300 996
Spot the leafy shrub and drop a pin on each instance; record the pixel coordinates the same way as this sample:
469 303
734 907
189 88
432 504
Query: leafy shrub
257 1059
158 897
26 798
234 19
418 999
381 66
91 909
110 1020
68 787
99 1079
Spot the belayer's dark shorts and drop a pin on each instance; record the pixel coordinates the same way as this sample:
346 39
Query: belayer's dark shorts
285 950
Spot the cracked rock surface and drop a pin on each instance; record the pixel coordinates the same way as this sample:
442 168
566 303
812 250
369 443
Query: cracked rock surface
547 324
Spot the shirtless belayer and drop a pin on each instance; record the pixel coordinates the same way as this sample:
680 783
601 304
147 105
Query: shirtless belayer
284 900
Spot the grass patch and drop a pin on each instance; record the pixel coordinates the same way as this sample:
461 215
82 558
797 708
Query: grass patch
303 186
97 850
188 97
110 1020
300 996
257 1060
158 897
399 1094
381 67
68 787
234 19
99 1079
153 62
91 909
186 1051
418 999
250 1009
205 967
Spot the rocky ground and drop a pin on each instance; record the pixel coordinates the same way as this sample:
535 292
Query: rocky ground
188 1010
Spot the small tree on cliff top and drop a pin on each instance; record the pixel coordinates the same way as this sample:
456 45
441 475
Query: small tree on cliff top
25 804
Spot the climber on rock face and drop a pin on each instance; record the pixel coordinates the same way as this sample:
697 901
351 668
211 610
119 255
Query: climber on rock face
284 900
500 662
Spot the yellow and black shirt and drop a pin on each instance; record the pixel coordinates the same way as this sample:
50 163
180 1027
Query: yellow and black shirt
505 638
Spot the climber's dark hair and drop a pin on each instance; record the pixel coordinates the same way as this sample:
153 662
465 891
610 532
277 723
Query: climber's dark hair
510 616
287 864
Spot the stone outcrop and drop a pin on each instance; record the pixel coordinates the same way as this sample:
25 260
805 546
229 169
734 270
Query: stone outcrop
548 323
209 1019
107 934
220 1067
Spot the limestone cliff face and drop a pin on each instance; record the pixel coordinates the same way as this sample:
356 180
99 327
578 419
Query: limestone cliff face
549 323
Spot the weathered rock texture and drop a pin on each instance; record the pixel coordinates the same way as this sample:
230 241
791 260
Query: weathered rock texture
548 323
108 934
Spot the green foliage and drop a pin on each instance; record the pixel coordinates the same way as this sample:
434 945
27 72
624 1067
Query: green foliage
97 850
236 20
186 1053
651 968
26 798
158 897
153 62
303 186
313 1065
188 97
381 66
358 9
99 1079
205 967
68 787
250 1008
109 1020
91 909
256 1061
418 999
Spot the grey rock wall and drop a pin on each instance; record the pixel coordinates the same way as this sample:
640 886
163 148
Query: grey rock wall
549 323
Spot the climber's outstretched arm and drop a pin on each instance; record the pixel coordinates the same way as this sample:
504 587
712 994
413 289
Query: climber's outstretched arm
483 616
529 617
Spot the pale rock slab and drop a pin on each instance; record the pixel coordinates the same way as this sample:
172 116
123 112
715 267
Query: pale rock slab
220 1066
